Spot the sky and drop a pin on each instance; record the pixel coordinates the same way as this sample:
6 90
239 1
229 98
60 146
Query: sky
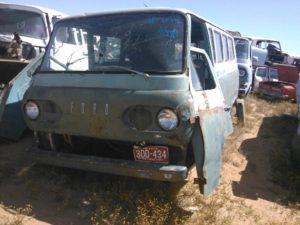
279 20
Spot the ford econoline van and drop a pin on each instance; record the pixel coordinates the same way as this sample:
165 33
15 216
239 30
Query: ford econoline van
148 95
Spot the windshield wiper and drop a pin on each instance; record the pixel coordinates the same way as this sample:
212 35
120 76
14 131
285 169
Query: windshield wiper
124 69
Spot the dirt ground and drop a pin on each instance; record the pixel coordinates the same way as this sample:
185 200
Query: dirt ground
248 192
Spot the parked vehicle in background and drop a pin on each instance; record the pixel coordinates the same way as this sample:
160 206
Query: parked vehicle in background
287 73
148 95
12 121
266 50
278 81
24 34
277 90
244 60
264 73
274 73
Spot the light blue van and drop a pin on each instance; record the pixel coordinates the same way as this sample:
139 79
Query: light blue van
148 95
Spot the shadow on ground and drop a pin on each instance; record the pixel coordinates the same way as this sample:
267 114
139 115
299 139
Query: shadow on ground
269 161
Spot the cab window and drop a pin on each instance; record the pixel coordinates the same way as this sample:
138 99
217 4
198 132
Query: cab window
202 78
261 72
273 73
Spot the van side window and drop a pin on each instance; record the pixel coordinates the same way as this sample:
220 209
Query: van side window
197 39
225 48
219 51
213 48
202 78
230 48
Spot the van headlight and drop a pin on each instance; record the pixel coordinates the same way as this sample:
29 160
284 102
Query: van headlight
32 110
167 119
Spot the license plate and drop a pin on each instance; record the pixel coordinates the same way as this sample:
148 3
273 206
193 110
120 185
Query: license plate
158 154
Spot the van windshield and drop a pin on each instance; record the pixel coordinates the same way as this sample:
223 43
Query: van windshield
25 23
242 48
145 42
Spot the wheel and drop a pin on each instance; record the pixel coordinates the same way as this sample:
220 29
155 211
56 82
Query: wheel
240 112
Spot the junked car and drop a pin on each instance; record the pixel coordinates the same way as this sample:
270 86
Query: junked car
24 34
266 50
149 94
264 73
12 120
277 82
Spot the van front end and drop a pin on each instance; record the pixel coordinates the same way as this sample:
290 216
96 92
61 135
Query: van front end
106 129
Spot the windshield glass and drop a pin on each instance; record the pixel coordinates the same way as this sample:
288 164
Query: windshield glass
25 23
242 48
261 72
145 42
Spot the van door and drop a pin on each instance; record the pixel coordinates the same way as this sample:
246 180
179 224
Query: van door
212 124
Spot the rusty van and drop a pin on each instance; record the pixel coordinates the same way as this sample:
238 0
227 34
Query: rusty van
148 96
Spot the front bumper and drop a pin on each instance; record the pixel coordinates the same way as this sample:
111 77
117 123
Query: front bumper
153 171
